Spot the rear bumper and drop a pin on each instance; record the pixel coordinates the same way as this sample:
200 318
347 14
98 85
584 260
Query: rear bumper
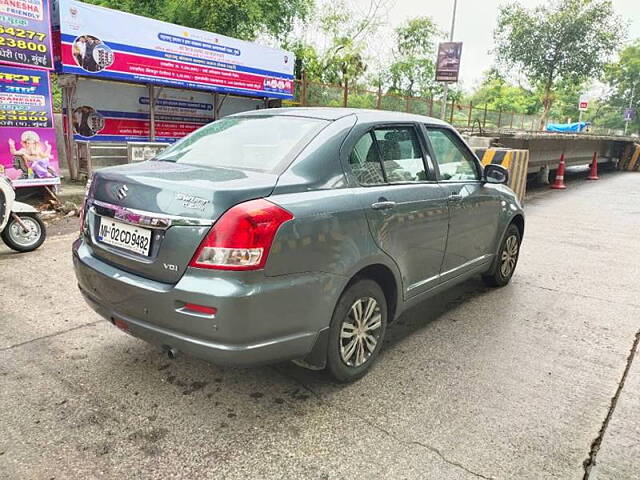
259 319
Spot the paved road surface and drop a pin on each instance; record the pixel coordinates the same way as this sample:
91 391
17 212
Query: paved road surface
478 383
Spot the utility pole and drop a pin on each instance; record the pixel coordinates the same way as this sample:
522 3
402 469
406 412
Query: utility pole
446 85
626 122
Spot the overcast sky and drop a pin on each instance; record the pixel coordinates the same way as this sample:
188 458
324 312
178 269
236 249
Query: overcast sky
475 22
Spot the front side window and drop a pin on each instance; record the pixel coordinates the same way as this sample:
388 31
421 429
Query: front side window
401 154
454 162
251 142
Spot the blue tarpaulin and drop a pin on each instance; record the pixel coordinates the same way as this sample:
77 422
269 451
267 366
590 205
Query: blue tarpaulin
567 127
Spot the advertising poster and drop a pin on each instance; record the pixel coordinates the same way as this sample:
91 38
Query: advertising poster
25 33
448 63
28 153
110 44
109 111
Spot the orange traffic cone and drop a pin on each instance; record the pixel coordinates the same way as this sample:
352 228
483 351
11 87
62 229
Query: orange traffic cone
558 184
593 174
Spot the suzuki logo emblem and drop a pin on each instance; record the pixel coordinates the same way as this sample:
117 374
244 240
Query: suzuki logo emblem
122 192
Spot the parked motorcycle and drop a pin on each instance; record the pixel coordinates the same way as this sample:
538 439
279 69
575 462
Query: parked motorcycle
20 225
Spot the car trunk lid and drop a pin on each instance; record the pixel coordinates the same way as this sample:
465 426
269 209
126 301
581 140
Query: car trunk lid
171 205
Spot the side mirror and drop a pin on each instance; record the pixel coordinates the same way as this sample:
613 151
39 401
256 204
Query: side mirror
495 174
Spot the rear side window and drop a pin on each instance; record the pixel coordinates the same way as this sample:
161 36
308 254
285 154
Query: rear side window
388 155
401 154
455 163
265 144
365 161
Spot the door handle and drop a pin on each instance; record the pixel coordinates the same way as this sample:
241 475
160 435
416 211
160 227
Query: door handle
455 198
384 205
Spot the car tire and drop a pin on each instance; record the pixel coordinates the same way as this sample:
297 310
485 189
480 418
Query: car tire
357 331
507 259
22 244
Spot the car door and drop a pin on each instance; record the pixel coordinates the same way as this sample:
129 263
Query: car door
473 208
405 207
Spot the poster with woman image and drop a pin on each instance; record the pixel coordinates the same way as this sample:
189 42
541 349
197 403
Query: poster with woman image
28 153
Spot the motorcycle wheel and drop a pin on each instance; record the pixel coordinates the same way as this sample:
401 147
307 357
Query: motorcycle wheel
17 239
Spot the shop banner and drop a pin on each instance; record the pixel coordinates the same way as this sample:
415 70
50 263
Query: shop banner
109 44
110 111
25 33
28 153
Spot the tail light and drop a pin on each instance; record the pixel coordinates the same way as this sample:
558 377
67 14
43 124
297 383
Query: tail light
242 237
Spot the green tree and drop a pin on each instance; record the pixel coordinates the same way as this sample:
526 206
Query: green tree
566 99
623 77
566 41
497 94
413 68
244 19
348 34
148 8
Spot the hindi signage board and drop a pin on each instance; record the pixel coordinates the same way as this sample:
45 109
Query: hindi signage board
109 44
28 153
25 33
119 112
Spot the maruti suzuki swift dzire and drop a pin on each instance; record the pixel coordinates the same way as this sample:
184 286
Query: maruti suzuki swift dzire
293 234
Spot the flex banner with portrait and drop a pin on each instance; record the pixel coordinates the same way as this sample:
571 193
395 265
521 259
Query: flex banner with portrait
119 112
109 44
28 153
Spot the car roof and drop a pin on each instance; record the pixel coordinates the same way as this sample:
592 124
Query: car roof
326 113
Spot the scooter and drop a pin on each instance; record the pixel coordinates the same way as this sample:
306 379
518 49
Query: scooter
21 227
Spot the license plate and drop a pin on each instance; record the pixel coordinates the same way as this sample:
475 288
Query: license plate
125 236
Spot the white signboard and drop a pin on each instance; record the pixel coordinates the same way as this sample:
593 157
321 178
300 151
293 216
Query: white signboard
584 103
110 111
105 43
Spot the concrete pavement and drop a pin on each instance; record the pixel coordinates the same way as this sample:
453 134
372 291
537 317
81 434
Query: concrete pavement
477 383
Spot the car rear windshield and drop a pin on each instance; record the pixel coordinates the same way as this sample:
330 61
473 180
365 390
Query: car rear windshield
266 144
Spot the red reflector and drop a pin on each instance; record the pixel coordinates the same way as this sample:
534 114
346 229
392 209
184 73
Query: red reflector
200 309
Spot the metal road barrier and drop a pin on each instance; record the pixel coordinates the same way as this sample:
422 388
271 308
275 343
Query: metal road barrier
95 155
516 161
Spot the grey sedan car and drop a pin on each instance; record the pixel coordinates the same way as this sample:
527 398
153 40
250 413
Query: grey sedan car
293 234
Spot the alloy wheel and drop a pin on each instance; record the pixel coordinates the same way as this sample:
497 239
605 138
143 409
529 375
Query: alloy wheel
360 332
509 256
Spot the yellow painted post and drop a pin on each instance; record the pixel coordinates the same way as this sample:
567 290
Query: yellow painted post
487 158
634 159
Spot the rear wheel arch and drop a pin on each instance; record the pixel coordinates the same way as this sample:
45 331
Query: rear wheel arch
385 278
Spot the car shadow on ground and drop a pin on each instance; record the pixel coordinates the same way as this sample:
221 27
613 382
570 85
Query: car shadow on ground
190 375
152 401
